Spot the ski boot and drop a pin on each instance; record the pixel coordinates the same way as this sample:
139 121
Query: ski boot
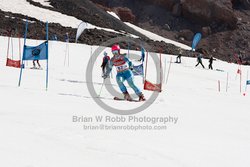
141 97
34 67
127 96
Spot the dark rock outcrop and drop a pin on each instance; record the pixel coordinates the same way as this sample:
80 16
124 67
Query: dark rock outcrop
186 34
209 12
125 14
245 3
206 31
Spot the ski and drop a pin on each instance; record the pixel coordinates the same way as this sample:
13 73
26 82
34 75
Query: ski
122 99
36 68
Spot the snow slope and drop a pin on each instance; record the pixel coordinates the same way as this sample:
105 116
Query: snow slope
44 2
114 15
156 37
25 8
37 127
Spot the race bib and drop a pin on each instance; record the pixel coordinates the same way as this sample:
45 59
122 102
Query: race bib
122 67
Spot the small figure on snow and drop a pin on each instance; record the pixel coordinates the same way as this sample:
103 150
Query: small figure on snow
105 63
142 54
240 57
199 60
210 66
178 58
34 64
66 37
124 69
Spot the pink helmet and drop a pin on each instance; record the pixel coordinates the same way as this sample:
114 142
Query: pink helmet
115 47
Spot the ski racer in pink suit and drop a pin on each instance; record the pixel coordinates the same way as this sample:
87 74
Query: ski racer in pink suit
123 66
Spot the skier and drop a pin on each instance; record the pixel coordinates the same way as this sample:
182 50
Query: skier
142 54
124 69
178 58
240 58
211 59
66 37
105 63
199 57
34 64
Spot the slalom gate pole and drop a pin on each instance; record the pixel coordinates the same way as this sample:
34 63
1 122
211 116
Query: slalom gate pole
68 52
19 47
11 40
91 55
146 68
246 83
165 68
128 49
143 74
25 35
219 85
47 52
160 69
8 48
169 70
65 56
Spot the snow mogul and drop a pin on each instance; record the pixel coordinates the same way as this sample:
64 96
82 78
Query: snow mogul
124 69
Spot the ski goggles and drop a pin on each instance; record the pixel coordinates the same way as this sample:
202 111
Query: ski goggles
115 52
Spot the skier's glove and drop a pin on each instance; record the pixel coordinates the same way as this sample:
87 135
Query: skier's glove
105 76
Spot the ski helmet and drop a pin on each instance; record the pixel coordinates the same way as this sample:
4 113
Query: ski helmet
105 53
115 47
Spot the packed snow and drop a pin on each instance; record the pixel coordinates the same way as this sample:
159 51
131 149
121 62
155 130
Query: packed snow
37 127
114 15
43 2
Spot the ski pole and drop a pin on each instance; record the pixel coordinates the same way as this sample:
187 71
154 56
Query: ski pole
101 88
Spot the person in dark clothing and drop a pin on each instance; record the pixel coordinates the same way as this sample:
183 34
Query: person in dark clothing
105 63
178 58
142 54
34 64
210 66
199 57
240 58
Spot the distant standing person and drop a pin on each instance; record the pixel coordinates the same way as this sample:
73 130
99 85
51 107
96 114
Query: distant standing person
210 66
66 37
240 58
178 58
199 60
105 63
142 54
34 64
